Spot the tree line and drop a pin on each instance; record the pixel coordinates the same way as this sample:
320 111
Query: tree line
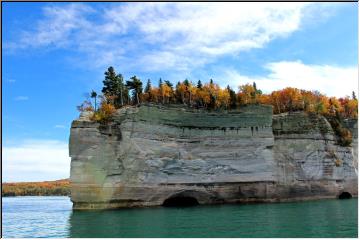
47 188
117 93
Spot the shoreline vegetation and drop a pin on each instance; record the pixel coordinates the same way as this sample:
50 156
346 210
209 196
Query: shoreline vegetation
117 93
45 188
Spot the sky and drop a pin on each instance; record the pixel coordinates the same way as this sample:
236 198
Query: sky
55 53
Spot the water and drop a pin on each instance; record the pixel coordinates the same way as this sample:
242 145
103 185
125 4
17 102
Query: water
53 217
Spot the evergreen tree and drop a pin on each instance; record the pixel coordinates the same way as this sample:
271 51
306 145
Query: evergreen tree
167 82
119 90
353 95
233 98
135 84
94 95
110 78
148 86
114 86
199 85
186 82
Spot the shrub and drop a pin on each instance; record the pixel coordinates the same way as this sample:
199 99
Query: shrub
344 137
85 106
104 113
338 162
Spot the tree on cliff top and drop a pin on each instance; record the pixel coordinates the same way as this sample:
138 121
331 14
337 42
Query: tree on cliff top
135 84
114 86
93 95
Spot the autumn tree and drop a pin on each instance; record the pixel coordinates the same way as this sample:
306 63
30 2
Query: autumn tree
246 94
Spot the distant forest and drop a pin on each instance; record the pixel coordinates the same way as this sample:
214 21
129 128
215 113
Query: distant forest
47 188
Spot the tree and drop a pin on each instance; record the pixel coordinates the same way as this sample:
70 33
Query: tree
147 87
168 83
354 95
119 89
246 94
110 78
199 84
181 90
114 86
94 95
135 84
232 96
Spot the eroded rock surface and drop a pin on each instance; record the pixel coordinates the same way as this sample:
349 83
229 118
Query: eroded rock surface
149 154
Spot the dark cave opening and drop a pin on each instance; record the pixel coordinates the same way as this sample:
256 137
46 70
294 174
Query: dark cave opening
180 202
345 195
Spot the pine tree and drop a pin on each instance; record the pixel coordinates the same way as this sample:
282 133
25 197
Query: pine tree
94 95
110 78
233 99
114 86
353 95
199 85
135 84
148 86
167 82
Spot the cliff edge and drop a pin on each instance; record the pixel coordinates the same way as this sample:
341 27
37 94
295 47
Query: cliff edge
153 155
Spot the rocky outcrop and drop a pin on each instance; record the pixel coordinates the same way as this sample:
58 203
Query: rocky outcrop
149 155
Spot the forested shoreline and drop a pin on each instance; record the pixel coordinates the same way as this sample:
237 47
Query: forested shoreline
46 188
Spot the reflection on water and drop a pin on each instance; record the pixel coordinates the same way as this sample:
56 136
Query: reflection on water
53 217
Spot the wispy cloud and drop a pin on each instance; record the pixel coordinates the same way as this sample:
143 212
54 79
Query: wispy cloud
21 98
11 80
160 36
332 80
36 160
59 126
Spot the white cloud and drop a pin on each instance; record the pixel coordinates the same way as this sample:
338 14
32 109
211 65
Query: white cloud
59 126
59 26
36 160
331 80
159 36
11 80
21 98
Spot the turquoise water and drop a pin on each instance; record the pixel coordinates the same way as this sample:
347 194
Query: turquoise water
53 217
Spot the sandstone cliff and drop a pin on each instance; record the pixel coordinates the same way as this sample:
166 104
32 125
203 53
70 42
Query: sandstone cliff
150 155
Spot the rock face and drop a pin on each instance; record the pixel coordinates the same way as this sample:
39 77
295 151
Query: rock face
151 155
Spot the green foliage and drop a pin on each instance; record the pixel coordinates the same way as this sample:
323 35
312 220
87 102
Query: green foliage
148 86
135 84
199 84
94 95
233 98
114 86
168 83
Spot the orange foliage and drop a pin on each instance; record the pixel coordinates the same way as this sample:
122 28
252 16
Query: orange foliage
48 188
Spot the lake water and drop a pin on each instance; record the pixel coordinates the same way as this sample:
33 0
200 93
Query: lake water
53 217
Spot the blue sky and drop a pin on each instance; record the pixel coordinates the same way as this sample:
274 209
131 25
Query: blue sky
53 53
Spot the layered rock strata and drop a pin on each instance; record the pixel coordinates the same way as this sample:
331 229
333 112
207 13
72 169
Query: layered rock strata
149 155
